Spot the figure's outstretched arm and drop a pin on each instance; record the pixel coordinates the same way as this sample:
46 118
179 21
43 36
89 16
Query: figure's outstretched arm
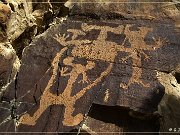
63 71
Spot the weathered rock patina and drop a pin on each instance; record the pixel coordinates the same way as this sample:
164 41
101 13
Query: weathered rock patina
92 59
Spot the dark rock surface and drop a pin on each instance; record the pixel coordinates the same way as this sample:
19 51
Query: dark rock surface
109 57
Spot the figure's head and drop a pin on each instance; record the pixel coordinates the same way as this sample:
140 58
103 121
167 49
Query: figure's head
68 61
90 65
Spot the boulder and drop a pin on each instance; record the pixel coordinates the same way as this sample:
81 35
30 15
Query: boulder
104 54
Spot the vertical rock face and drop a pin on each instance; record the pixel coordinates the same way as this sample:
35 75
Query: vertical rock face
106 56
4 17
9 64
21 18
169 106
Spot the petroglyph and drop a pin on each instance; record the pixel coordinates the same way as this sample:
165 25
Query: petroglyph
65 98
102 49
106 95
99 49
138 47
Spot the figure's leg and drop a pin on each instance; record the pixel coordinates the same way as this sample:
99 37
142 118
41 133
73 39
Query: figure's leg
135 78
70 120
85 78
28 120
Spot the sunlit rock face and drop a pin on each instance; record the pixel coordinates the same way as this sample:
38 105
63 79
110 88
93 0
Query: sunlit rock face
5 13
105 56
169 106
9 64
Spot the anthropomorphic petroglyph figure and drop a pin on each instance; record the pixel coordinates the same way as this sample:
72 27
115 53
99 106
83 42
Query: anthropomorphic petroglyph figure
65 98
99 49
138 46
104 50
77 69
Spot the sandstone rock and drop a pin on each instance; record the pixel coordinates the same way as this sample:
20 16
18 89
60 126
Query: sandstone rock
21 18
9 64
30 18
125 9
118 121
104 53
124 71
4 13
169 106
4 17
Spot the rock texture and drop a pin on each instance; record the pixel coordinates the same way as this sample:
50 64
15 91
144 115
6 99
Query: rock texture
9 64
4 17
169 107
106 56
